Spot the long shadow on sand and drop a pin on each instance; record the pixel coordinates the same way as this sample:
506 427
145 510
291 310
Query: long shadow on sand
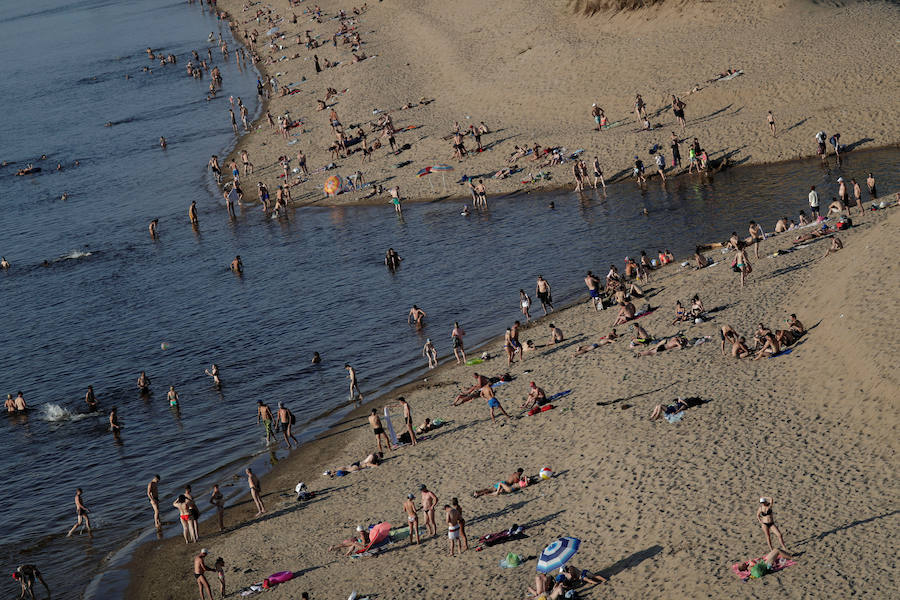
631 561
509 508
633 396
824 534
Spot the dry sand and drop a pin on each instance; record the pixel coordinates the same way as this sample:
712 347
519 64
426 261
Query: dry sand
532 70
663 509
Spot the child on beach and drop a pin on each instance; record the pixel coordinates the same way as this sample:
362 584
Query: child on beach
220 573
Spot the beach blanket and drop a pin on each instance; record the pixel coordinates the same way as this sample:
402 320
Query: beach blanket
778 566
782 353
492 539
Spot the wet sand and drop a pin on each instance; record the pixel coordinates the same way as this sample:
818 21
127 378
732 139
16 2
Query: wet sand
532 74
663 509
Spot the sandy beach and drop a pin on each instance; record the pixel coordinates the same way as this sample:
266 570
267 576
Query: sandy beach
532 73
663 510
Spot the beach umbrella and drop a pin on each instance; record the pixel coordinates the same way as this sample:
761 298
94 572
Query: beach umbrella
557 554
423 172
332 185
443 169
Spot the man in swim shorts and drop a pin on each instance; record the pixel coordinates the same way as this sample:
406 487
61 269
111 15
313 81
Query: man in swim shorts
412 517
453 528
543 292
536 397
593 286
429 502
378 430
487 392
200 570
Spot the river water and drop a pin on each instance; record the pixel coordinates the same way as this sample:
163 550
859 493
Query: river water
110 297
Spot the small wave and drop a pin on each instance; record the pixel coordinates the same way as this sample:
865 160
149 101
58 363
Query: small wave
76 254
54 413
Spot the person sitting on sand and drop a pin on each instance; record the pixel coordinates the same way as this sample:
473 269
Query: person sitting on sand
472 392
676 407
626 313
700 259
759 335
697 309
770 346
680 313
353 545
506 486
542 586
556 334
786 337
739 348
836 244
640 335
673 343
426 426
771 560
796 326
536 397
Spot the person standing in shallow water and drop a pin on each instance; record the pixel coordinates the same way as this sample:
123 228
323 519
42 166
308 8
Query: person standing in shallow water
458 348
82 512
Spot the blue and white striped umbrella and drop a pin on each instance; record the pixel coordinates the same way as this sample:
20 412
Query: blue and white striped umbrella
557 554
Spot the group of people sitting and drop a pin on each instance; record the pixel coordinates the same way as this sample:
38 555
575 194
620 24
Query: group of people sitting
766 341
548 587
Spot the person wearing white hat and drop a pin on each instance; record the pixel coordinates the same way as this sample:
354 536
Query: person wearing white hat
842 193
200 570
767 521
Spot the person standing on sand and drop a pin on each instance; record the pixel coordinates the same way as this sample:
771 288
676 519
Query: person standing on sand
200 570
354 385
183 504
430 353
814 202
218 500
579 179
639 171
457 335
395 199
487 392
640 112
192 214
82 512
661 165
255 491
429 502
248 166
264 415
525 304
857 194
543 292
407 418
771 120
678 110
593 286
287 420
595 113
676 150
412 517
453 527
462 523
378 430
756 236
742 262
767 521
481 194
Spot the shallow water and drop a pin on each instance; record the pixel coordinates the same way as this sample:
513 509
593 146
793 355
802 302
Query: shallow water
110 296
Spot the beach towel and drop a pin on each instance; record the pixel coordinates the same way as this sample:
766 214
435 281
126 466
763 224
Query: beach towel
540 409
277 578
778 566
492 539
783 352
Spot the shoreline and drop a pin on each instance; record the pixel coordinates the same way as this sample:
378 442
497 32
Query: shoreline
344 437
261 142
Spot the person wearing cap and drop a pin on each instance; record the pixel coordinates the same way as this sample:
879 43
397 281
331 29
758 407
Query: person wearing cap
200 570
767 521
26 575
429 502
412 517
842 193
536 397
430 353
287 420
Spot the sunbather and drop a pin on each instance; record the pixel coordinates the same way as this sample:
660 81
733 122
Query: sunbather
770 347
640 335
680 313
771 560
372 460
673 343
626 313
796 325
573 576
739 348
836 244
504 487
536 397
353 545
676 407
472 392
